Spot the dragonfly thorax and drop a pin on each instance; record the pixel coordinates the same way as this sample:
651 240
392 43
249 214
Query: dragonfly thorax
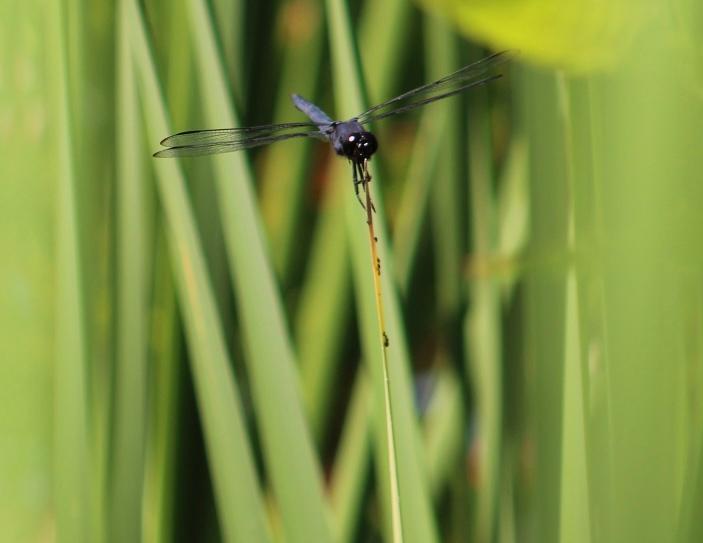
359 146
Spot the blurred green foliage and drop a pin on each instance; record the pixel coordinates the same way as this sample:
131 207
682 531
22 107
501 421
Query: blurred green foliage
189 349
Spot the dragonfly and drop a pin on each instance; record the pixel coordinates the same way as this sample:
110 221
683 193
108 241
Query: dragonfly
349 139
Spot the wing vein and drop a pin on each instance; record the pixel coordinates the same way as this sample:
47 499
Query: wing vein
474 74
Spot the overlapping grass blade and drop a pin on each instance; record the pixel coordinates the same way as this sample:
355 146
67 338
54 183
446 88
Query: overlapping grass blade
285 178
72 491
165 393
162 450
414 200
238 498
575 521
231 21
546 292
382 44
287 444
445 197
444 430
352 465
513 214
482 322
647 223
577 502
130 415
178 86
322 315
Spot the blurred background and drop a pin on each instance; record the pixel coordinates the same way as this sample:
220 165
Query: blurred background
189 348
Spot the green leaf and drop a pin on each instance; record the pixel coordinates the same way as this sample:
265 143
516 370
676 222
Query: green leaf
578 35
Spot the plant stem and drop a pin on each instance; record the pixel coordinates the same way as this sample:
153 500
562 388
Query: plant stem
390 435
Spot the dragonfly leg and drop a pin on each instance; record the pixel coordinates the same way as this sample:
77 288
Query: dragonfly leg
358 180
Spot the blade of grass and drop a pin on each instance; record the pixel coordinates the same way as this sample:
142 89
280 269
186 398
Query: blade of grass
507 516
241 511
89 75
162 445
545 292
416 512
448 247
575 522
482 324
160 485
285 175
322 317
75 51
186 109
231 24
131 365
444 429
90 42
382 44
443 433
596 372
71 445
287 446
351 468
416 190
648 195
513 212
179 91
445 197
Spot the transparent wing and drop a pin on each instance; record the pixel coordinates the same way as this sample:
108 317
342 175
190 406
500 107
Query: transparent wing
475 74
222 135
198 146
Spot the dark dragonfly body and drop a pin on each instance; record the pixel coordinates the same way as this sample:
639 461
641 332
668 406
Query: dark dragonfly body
348 138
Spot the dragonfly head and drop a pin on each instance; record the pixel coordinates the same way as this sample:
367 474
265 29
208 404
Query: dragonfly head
359 146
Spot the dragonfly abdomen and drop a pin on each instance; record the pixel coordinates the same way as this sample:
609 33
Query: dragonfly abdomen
314 113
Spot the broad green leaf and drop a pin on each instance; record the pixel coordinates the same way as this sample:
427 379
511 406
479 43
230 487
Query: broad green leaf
578 35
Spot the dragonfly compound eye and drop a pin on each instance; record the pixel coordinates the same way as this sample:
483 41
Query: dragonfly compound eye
349 145
366 145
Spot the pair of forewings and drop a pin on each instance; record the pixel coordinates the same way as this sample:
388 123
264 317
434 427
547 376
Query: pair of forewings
224 140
